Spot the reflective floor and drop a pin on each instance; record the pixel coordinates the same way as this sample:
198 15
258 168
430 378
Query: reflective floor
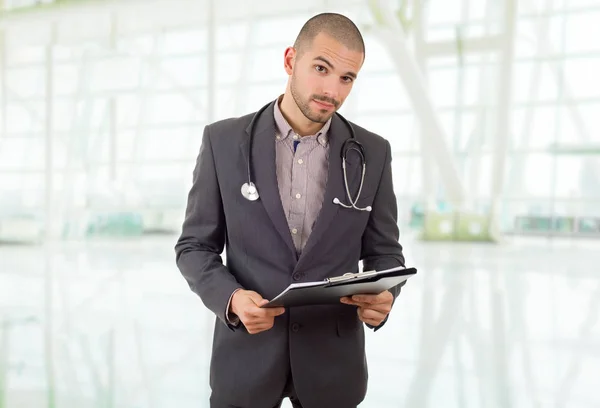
113 324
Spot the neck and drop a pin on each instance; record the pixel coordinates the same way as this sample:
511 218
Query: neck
294 116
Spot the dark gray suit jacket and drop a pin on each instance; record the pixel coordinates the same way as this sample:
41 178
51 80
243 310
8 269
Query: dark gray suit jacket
322 346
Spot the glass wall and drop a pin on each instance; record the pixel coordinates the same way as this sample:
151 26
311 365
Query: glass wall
101 122
102 110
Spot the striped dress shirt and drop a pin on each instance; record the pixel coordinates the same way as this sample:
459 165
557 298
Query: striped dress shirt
302 163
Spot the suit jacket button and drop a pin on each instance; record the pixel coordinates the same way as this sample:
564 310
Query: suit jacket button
297 276
295 327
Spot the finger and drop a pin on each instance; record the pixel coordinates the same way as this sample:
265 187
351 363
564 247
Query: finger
262 325
367 316
275 311
366 299
259 327
258 300
252 313
358 304
256 330
348 300
364 319
258 324
383 308
385 298
265 311
371 322
371 314
269 312
252 308
261 319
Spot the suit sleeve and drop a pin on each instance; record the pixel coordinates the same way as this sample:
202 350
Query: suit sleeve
380 241
199 247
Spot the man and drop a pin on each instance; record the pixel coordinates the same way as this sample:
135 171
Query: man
294 232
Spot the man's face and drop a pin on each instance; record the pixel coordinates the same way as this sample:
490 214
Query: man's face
322 77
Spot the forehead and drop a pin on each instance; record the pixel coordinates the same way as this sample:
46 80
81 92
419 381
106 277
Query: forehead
339 54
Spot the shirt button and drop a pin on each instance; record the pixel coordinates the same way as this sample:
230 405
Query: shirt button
300 161
298 195
278 137
294 231
295 137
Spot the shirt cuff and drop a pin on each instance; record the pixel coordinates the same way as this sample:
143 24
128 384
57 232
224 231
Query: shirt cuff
232 319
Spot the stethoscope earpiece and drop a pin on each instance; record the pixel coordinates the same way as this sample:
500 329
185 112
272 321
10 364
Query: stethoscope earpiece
250 192
338 202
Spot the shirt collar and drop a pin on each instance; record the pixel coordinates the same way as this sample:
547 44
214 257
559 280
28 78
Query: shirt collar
284 129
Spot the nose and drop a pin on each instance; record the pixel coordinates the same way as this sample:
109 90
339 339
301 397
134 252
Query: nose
331 89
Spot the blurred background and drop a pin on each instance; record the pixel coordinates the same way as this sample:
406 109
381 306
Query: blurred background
491 108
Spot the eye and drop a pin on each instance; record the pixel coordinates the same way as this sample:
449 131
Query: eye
347 79
320 68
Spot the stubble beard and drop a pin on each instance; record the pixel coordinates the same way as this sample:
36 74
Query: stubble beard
305 107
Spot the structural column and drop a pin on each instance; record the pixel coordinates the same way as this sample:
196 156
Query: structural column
50 227
504 113
392 36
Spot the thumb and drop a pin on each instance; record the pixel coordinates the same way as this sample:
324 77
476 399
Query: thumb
256 298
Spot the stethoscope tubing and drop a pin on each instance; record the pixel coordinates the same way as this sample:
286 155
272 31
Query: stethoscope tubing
250 192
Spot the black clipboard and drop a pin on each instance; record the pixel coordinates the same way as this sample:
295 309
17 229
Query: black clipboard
330 290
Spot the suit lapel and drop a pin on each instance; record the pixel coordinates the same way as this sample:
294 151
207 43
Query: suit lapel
264 174
335 187
264 171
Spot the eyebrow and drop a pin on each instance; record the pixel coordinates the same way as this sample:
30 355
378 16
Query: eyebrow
323 59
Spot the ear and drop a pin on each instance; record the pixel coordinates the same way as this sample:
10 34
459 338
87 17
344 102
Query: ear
289 59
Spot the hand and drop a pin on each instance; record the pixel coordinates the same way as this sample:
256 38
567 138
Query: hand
372 309
246 305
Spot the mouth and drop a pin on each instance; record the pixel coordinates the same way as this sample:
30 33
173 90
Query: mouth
324 105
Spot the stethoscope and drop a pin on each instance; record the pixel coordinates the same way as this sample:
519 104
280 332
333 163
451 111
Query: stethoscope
250 192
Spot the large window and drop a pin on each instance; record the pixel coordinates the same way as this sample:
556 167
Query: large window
129 98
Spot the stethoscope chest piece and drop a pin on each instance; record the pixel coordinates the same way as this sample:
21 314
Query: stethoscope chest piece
250 192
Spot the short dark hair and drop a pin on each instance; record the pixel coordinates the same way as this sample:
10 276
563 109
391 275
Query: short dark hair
336 25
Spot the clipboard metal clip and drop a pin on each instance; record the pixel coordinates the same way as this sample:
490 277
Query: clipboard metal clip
349 276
